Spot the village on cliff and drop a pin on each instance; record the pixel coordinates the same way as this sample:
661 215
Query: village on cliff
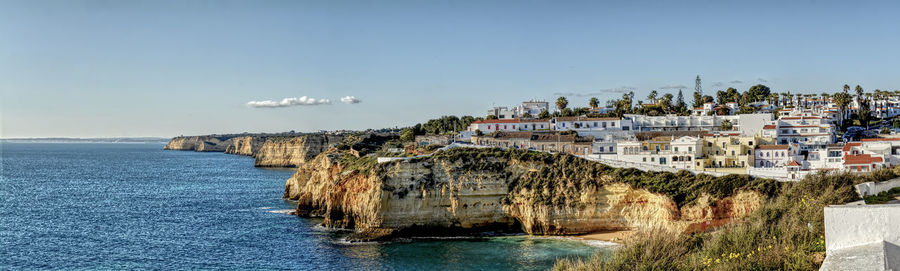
758 132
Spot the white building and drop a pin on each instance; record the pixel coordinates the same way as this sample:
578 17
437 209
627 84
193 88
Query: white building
532 107
585 124
677 153
509 125
746 124
776 156
503 112
490 126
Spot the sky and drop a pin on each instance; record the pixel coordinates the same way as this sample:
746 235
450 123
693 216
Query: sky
167 68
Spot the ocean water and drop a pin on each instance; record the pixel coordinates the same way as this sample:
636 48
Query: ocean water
135 206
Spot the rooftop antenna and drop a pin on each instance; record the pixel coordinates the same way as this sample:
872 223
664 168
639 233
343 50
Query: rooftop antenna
697 86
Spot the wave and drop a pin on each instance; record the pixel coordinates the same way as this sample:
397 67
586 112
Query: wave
284 211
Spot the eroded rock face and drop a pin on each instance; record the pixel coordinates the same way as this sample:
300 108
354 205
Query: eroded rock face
434 195
245 145
293 151
198 143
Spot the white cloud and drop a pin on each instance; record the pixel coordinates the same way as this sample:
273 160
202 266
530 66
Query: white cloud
718 84
673 87
736 82
350 100
599 92
762 80
286 102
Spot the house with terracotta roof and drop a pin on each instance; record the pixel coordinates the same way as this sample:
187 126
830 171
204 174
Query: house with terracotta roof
496 125
535 141
586 124
863 163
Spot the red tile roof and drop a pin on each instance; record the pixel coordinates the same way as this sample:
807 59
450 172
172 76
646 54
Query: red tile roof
772 147
861 159
800 118
497 121
793 164
880 139
850 145
769 127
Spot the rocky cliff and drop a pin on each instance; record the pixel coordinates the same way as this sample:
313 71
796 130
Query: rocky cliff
245 145
466 190
294 151
198 143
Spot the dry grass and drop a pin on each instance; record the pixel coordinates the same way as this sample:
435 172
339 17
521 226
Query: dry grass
787 233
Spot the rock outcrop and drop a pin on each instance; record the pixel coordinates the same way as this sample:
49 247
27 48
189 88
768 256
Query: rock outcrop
198 143
294 151
245 145
481 191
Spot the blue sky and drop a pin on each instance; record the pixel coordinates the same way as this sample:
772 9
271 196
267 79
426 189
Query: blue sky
165 68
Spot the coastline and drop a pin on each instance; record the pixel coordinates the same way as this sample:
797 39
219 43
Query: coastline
613 236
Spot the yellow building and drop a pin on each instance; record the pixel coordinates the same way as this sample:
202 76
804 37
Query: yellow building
730 153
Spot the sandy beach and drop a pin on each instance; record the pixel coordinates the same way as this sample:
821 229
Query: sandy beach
608 236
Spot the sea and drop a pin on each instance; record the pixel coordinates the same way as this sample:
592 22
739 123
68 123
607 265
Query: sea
97 206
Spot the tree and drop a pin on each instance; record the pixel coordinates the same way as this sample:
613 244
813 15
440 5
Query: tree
561 103
846 88
567 112
491 117
732 95
407 135
478 132
594 103
698 99
707 99
726 125
544 114
842 99
721 97
527 115
652 96
630 101
666 102
679 102
757 93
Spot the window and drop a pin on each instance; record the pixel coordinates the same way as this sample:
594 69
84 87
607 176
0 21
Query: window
612 124
732 153
645 159
676 148
652 159
690 149
709 144
723 145
595 124
662 160
750 143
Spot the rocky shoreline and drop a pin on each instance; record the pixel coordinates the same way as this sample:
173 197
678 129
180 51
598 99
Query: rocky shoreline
464 191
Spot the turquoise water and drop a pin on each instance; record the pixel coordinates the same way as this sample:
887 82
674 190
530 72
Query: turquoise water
135 206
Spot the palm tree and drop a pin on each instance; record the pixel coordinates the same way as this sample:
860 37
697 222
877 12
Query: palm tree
594 102
846 88
842 99
561 103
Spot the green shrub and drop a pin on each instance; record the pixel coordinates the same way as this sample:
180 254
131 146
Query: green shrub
786 233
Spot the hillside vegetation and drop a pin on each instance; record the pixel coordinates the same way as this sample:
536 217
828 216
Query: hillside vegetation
786 233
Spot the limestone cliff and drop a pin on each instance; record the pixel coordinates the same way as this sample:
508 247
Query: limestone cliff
245 145
472 190
198 143
294 151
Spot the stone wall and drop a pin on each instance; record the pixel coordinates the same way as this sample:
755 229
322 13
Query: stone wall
873 188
